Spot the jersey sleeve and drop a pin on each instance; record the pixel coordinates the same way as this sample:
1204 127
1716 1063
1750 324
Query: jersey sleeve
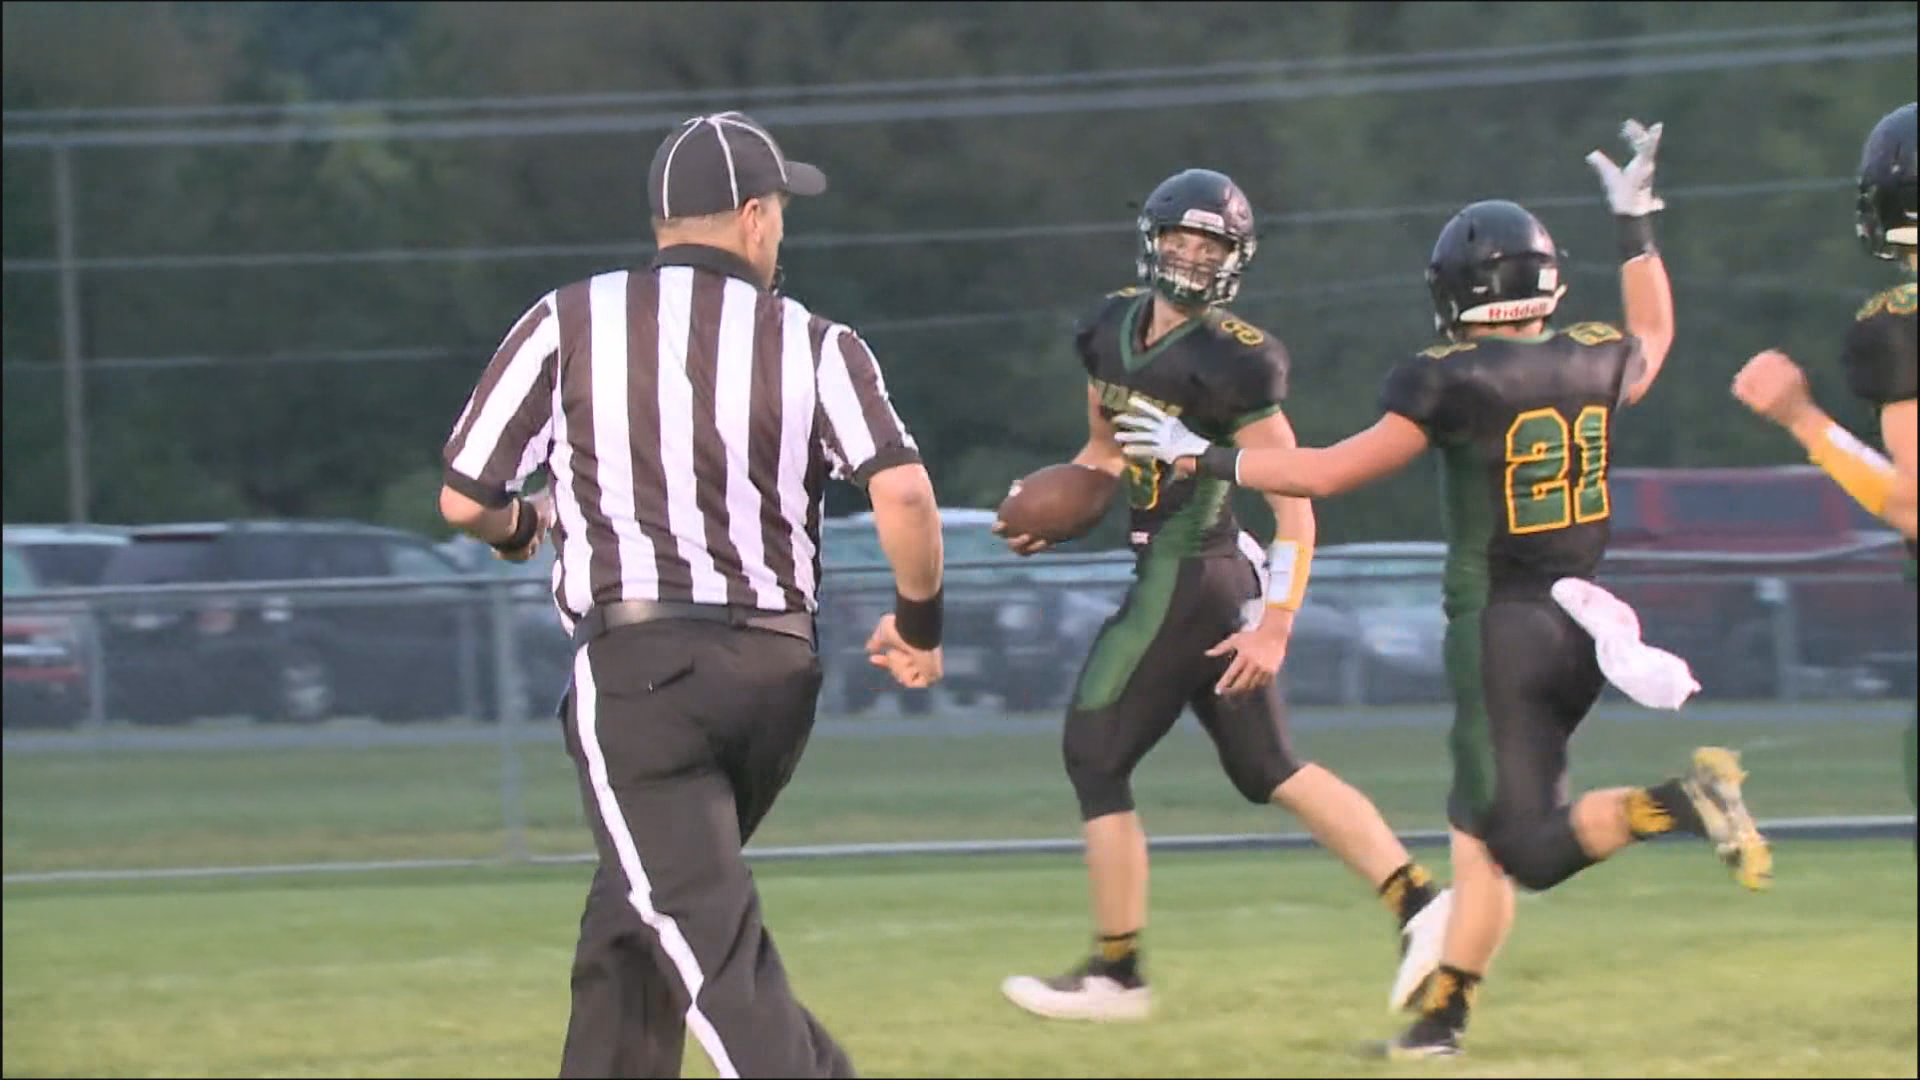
1421 389
1257 385
1096 321
1879 351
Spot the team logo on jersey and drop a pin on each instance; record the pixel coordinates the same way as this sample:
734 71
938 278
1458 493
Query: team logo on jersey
1116 399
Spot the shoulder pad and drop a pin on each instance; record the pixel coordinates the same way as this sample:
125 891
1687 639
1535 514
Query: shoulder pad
1107 305
1594 333
1447 348
1898 300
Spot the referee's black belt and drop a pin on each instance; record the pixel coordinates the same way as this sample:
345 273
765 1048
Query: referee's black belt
604 617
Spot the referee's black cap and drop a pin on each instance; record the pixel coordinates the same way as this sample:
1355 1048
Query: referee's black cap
712 164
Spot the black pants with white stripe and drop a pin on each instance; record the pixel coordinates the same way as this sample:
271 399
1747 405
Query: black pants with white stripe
683 734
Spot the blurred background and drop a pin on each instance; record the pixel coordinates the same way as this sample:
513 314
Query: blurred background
256 255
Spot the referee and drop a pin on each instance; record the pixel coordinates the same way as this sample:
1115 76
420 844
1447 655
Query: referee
687 415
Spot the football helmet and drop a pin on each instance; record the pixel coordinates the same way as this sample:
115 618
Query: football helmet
1494 263
1204 201
1888 209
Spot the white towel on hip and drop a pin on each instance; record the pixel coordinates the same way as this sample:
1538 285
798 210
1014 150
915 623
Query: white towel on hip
1653 677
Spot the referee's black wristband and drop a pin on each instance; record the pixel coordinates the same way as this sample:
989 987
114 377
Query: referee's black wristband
920 622
1222 462
1636 236
526 524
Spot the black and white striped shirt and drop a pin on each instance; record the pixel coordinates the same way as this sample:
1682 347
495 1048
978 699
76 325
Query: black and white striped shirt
688 420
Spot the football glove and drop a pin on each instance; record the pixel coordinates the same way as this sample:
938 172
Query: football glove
1630 189
1145 432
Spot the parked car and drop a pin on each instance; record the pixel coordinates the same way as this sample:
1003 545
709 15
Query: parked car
544 649
1371 630
66 556
45 680
297 654
1004 625
1020 627
1720 561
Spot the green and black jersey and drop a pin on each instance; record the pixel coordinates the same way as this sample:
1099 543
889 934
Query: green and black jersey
1523 427
1217 373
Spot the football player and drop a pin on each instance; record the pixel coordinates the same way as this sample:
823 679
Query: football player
1521 416
1878 354
1202 624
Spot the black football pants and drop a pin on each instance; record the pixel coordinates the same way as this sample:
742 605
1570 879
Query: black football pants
683 733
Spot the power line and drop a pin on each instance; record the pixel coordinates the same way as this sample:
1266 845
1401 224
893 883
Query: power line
1318 294
948 85
1001 106
829 241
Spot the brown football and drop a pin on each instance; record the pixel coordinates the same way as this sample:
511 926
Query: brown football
1058 503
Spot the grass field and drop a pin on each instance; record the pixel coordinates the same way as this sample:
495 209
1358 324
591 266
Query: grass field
119 809
1266 965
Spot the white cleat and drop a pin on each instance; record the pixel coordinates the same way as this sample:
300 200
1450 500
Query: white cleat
1420 943
1079 995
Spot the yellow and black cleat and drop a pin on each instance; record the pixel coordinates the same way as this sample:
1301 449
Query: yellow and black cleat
1713 786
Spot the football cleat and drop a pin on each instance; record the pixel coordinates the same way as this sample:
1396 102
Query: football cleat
1082 994
1428 1037
1420 944
1713 786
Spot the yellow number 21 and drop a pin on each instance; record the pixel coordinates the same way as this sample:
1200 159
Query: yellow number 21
1540 493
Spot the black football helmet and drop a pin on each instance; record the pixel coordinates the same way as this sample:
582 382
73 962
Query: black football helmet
1208 202
1494 263
1889 207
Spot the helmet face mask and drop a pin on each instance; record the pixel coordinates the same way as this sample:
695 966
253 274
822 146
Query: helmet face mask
1493 264
1202 201
1887 209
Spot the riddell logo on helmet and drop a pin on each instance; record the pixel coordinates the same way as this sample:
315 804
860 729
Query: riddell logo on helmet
1517 310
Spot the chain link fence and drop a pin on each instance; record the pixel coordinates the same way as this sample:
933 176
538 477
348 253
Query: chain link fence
190 728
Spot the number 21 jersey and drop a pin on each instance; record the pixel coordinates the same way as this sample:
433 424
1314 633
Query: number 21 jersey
1523 427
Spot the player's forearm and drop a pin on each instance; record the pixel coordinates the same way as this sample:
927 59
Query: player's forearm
1647 297
1897 432
1294 471
1860 470
1104 455
1903 507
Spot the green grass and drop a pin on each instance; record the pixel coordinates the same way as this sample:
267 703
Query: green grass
1265 965
114 809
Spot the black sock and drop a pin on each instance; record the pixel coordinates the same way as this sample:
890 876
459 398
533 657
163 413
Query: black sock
1661 809
1449 996
1117 955
1407 890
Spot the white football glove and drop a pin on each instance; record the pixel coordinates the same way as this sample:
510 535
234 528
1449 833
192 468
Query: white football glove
1146 433
1630 190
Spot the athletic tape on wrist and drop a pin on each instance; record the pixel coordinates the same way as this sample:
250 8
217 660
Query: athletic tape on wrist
1288 564
1859 469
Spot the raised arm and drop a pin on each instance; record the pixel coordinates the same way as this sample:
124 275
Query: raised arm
1645 292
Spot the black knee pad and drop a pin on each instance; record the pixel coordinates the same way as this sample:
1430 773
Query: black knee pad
1100 789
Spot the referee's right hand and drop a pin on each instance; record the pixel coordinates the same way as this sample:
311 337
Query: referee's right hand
915 669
